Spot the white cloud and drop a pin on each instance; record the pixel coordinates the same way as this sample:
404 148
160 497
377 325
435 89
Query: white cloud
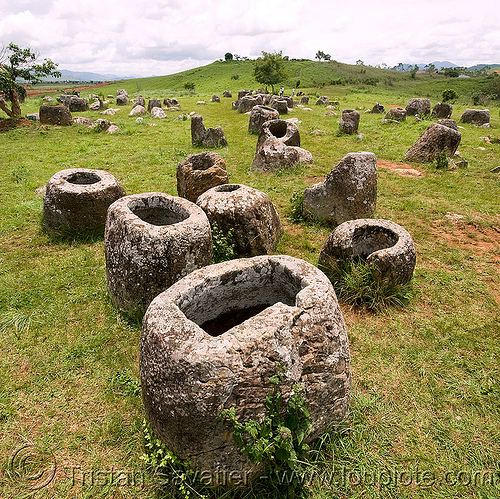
165 36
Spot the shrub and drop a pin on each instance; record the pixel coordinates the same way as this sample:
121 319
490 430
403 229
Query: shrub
296 202
449 94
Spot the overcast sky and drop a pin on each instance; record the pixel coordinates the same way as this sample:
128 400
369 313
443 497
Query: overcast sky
158 37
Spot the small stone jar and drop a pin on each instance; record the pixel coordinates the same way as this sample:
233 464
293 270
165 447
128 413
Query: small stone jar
77 199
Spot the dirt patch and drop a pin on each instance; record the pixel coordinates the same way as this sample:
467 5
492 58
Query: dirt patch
402 169
33 92
473 237
10 123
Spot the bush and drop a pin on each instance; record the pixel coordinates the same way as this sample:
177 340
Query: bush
449 94
223 244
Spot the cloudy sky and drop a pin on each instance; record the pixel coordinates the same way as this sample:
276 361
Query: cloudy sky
160 37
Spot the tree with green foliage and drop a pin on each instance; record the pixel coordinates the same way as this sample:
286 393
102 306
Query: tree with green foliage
270 69
228 56
16 62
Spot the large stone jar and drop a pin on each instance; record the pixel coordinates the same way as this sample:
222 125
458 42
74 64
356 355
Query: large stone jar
212 340
76 201
151 241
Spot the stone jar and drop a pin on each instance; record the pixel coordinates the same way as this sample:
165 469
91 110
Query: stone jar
200 172
385 245
77 199
212 340
247 212
151 241
348 192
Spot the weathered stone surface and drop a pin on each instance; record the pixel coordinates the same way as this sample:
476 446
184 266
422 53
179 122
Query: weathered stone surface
348 192
322 101
396 113
154 103
191 370
207 137
139 101
247 102
200 172
442 110
77 199
157 112
249 213
349 122
138 110
281 105
171 102
476 116
449 123
121 100
55 115
378 109
385 245
242 93
259 115
278 147
73 102
304 100
151 241
97 105
83 120
418 105
215 98
227 93
436 139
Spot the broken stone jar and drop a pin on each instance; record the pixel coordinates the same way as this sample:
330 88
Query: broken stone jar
151 241
212 340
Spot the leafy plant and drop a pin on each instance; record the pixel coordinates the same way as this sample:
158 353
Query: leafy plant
297 202
175 476
279 440
223 244
355 283
441 161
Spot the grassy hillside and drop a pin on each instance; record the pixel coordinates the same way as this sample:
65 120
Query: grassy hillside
316 78
425 411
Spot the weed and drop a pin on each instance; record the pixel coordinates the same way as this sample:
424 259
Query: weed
279 440
223 244
441 161
355 283
123 381
296 206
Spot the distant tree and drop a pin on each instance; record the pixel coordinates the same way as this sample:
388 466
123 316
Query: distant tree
15 63
321 55
430 68
228 56
359 62
451 73
189 86
270 69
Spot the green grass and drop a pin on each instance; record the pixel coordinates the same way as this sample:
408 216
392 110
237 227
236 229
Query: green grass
426 376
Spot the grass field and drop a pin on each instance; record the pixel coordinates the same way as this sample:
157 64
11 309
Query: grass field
425 415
